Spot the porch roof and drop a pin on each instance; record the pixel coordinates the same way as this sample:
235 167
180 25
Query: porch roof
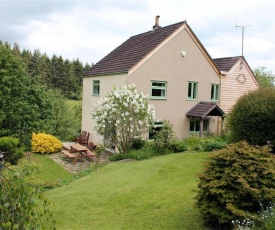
204 109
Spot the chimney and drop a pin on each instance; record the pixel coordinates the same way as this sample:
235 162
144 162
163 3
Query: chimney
156 26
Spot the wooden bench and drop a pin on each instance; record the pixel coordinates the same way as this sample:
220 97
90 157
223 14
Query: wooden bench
68 154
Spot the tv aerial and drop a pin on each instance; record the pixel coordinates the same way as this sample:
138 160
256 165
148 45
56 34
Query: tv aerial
242 27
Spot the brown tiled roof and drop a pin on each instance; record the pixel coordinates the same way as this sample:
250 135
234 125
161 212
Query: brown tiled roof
131 51
203 109
225 64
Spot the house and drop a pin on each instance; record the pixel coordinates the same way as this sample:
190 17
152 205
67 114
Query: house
170 65
236 80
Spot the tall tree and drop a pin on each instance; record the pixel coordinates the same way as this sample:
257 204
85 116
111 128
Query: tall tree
24 106
264 77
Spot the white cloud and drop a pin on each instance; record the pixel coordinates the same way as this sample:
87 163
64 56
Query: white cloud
89 30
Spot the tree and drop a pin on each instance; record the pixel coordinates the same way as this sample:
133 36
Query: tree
122 116
24 105
252 118
265 78
65 122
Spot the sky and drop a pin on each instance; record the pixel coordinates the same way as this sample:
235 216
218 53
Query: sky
89 30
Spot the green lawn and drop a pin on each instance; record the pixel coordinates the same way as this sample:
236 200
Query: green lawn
49 171
152 194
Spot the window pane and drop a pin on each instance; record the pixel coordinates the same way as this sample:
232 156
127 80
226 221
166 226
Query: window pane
192 126
158 89
190 90
205 125
215 92
158 84
212 92
96 87
194 90
197 126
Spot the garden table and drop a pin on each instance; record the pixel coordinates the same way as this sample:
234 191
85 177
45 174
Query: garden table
80 149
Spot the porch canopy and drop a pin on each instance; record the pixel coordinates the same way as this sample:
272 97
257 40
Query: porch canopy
205 109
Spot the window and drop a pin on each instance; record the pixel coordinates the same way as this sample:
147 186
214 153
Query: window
158 89
156 128
215 92
96 87
195 125
192 90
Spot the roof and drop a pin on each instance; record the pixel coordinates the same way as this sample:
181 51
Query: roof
129 53
204 109
225 64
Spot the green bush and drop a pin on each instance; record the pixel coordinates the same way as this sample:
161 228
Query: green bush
12 149
163 138
22 206
177 146
193 143
119 157
234 181
252 118
146 152
211 144
138 143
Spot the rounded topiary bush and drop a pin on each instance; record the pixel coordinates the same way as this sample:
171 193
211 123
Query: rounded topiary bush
11 148
235 182
45 143
253 117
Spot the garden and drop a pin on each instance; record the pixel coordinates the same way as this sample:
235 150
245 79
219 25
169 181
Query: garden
220 181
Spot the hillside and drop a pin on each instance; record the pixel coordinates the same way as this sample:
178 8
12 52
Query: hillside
152 194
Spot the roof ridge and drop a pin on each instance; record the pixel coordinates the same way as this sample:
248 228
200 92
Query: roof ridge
227 57
161 28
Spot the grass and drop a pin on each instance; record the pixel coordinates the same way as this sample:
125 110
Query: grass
152 194
49 172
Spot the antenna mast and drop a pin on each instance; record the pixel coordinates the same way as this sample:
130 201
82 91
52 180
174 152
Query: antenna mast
242 27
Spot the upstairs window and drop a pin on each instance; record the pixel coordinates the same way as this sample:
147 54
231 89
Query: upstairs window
215 92
192 90
96 87
158 89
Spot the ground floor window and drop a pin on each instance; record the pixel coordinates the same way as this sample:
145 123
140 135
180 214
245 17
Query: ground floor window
158 126
195 126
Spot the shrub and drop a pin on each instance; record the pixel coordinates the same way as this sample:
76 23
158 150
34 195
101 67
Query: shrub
118 157
45 143
22 206
144 153
13 152
163 138
138 143
193 143
177 146
252 118
233 182
211 144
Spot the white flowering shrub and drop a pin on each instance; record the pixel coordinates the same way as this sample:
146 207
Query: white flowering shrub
122 116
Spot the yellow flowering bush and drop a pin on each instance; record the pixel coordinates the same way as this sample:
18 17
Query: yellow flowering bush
45 143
